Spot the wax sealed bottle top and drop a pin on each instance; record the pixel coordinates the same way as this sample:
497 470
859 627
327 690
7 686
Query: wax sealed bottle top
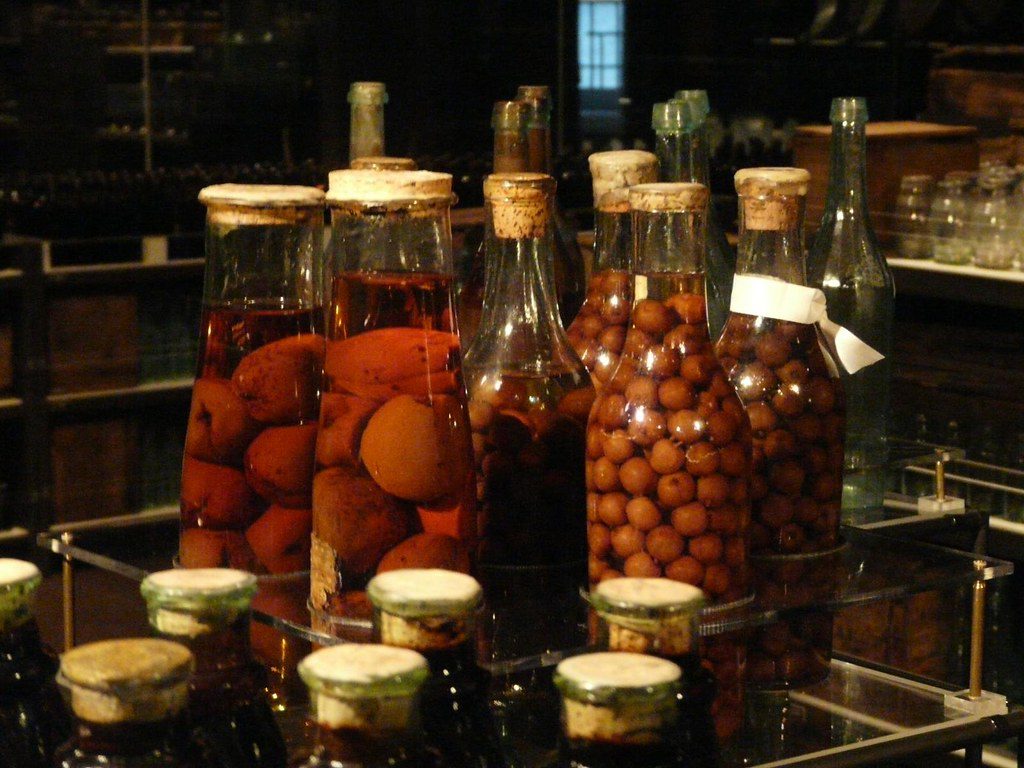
19 580
367 93
672 197
765 182
616 678
368 187
191 601
621 168
261 196
364 671
382 163
416 592
646 598
126 681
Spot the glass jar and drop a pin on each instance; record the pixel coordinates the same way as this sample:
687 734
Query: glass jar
668 444
947 223
394 466
208 610
33 721
620 709
529 398
363 703
247 472
599 330
993 233
785 378
433 611
381 163
128 699
912 207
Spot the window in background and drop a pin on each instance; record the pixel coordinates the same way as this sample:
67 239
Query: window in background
601 28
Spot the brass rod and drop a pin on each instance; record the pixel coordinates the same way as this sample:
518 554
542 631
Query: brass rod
68 584
977 632
940 479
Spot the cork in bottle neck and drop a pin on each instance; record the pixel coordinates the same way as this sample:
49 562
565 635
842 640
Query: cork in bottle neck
620 169
520 204
771 199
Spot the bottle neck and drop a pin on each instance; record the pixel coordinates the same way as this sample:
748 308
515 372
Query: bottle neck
669 243
846 201
684 155
771 238
511 152
613 240
538 138
366 133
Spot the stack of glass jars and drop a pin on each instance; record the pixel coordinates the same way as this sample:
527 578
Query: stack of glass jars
912 206
947 222
992 221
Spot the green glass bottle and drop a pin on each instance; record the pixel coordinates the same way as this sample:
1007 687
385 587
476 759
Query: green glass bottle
847 264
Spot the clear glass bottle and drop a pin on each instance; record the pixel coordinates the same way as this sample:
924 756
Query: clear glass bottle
668 443
620 709
381 163
992 230
947 220
661 617
394 463
33 721
247 471
364 703
599 330
683 149
128 698
529 398
433 612
788 385
569 268
366 126
912 207
208 610
848 265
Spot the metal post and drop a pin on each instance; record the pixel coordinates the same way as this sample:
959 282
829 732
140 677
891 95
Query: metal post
940 477
977 632
68 583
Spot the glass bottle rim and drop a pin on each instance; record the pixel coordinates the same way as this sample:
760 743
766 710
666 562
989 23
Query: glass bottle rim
367 93
364 671
419 592
612 678
509 116
261 196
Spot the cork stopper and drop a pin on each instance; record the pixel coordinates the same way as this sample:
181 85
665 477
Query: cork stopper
519 203
769 197
649 615
260 204
381 163
616 201
669 197
376 188
19 580
367 93
188 602
126 681
622 168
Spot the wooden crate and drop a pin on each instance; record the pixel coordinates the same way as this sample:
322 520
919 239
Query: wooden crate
895 150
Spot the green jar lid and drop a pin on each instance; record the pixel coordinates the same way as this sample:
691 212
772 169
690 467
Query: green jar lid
19 580
418 592
612 679
364 671
186 601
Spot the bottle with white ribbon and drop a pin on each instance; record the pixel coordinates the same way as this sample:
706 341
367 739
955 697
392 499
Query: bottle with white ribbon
847 264
775 354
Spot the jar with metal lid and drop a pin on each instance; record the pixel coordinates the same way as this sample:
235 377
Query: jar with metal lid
246 479
912 207
128 698
208 610
394 479
363 701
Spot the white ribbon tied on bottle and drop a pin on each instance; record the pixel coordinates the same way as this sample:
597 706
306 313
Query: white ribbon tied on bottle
764 296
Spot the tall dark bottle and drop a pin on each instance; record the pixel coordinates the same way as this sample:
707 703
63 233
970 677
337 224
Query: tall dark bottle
207 610
363 701
128 698
683 149
847 264
433 611
33 720
570 272
619 709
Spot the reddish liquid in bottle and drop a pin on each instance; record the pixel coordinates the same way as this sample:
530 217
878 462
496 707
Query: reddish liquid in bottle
394 481
247 471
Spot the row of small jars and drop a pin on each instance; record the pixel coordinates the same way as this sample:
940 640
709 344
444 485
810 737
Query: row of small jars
965 219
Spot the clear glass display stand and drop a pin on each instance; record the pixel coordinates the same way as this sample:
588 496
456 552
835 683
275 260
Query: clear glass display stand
858 716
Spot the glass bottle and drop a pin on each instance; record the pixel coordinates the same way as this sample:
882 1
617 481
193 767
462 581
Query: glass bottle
570 271
681 143
661 617
394 463
247 471
849 267
668 444
529 397
208 610
381 163
364 703
620 709
788 385
947 221
433 612
993 234
128 699
33 720
366 131
912 206
599 330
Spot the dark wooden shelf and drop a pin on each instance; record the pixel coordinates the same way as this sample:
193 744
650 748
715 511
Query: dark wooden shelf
128 273
122 398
